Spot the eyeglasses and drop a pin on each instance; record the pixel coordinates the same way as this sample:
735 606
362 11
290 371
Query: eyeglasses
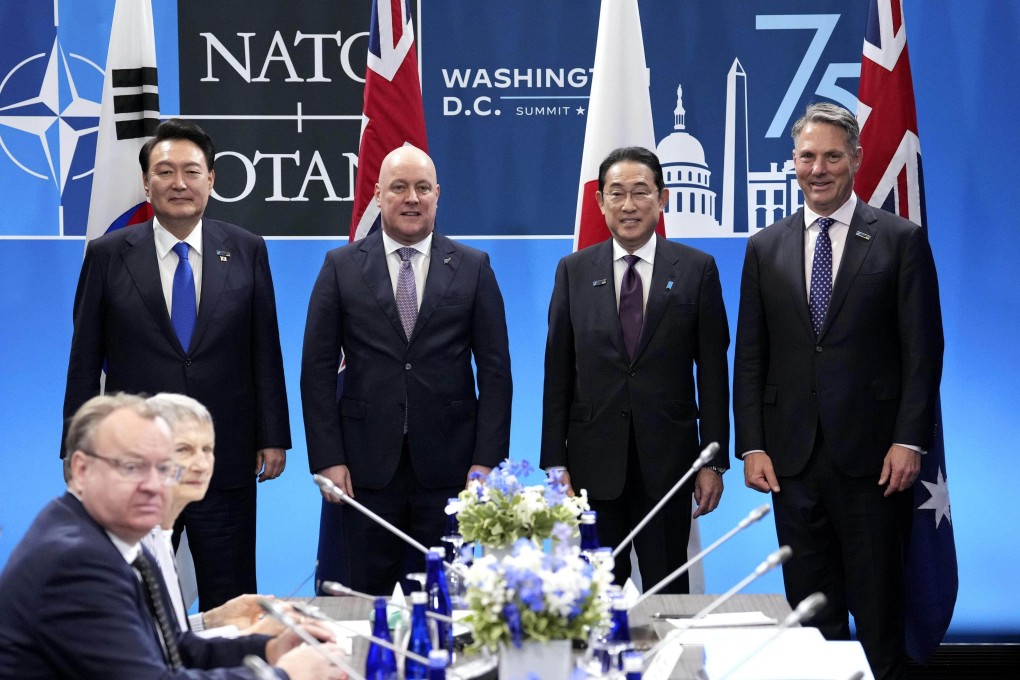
170 473
639 195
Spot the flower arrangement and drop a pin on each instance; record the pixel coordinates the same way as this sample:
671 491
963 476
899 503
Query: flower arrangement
532 595
497 510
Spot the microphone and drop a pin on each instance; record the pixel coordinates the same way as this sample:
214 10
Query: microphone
272 610
329 487
753 517
706 455
334 588
805 611
259 668
771 562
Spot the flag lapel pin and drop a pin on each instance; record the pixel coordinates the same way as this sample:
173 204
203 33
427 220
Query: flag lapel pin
224 255
863 235
598 282
669 285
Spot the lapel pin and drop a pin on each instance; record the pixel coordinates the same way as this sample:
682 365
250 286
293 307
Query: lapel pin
224 255
669 285
598 282
861 234
446 260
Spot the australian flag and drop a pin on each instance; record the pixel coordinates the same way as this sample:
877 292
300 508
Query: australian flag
393 113
890 177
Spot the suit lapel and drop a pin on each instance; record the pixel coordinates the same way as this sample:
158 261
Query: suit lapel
443 262
372 257
854 251
664 277
139 257
602 280
792 265
214 274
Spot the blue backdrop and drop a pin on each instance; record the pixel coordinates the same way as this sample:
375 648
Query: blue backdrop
509 185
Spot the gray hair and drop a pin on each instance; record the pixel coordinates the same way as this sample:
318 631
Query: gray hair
87 418
175 408
830 114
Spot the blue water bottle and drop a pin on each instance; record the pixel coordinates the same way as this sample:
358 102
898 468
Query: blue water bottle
380 664
589 536
438 592
420 641
633 664
439 659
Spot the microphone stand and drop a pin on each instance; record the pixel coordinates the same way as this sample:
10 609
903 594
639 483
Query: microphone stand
753 517
706 455
284 619
335 588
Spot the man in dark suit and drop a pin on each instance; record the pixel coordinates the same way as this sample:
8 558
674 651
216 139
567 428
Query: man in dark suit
74 599
410 309
185 304
836 376
636 378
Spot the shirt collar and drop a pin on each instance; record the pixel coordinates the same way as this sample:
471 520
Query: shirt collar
843 214
165 241
645 252
129 551
423 246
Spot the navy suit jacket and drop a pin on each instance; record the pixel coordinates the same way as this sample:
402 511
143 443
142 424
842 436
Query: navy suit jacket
72 607
870 379
234 365
461 317
675 390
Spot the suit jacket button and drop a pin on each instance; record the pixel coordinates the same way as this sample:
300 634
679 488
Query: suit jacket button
400 407
187 362
818 348
632 373
624 413
407 367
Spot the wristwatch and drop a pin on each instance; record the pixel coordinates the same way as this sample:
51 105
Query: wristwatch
716 469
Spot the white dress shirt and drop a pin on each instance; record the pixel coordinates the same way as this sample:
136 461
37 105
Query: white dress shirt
419 263
167 259
643 267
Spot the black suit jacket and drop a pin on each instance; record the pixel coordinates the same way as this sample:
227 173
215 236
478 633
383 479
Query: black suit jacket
72 607
449 428
676 390
234 365
871 378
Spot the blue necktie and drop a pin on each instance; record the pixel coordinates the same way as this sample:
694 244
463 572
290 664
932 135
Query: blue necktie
182 305
631 305
821 274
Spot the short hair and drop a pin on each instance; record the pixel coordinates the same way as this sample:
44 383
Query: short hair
86 419
830 114
178 128
177 408
636 154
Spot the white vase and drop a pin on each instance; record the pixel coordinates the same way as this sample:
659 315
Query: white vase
536 661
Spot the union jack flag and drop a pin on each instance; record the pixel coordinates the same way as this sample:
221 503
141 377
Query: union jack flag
393 113
890 177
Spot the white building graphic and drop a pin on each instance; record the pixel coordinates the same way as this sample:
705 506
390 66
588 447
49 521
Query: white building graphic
751 199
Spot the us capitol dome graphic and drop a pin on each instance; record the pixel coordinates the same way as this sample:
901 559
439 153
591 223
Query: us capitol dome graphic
691 202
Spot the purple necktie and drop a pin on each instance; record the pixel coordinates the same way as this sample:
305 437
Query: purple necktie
631 306
407 294
182 303
821 274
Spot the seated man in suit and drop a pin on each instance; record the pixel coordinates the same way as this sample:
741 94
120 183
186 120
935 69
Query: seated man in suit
193 442
79 597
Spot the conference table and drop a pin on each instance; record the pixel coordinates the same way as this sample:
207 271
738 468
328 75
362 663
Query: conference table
648 621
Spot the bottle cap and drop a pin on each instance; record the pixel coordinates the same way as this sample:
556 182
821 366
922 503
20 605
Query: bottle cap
439 658
436 552
632 661
419 597
588 517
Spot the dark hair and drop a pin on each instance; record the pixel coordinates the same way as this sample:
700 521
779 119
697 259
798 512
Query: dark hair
637 154
178 128
830 114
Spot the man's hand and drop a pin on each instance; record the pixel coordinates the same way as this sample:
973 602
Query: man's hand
269 463
305 663
481 469
900 468
288 639
242 611
341 476
759 474
708 488
565 481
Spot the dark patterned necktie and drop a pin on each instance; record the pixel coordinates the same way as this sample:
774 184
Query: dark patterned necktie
631 305
182 304
407 294
154 594
821 274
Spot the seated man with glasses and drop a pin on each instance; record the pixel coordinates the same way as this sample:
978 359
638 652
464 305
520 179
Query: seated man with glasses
80 598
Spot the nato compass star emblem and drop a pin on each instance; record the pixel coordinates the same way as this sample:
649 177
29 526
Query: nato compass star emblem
44 115
939 501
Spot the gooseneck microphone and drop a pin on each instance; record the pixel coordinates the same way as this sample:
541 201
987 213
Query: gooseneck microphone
334 588
751 518
277 613
706 455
